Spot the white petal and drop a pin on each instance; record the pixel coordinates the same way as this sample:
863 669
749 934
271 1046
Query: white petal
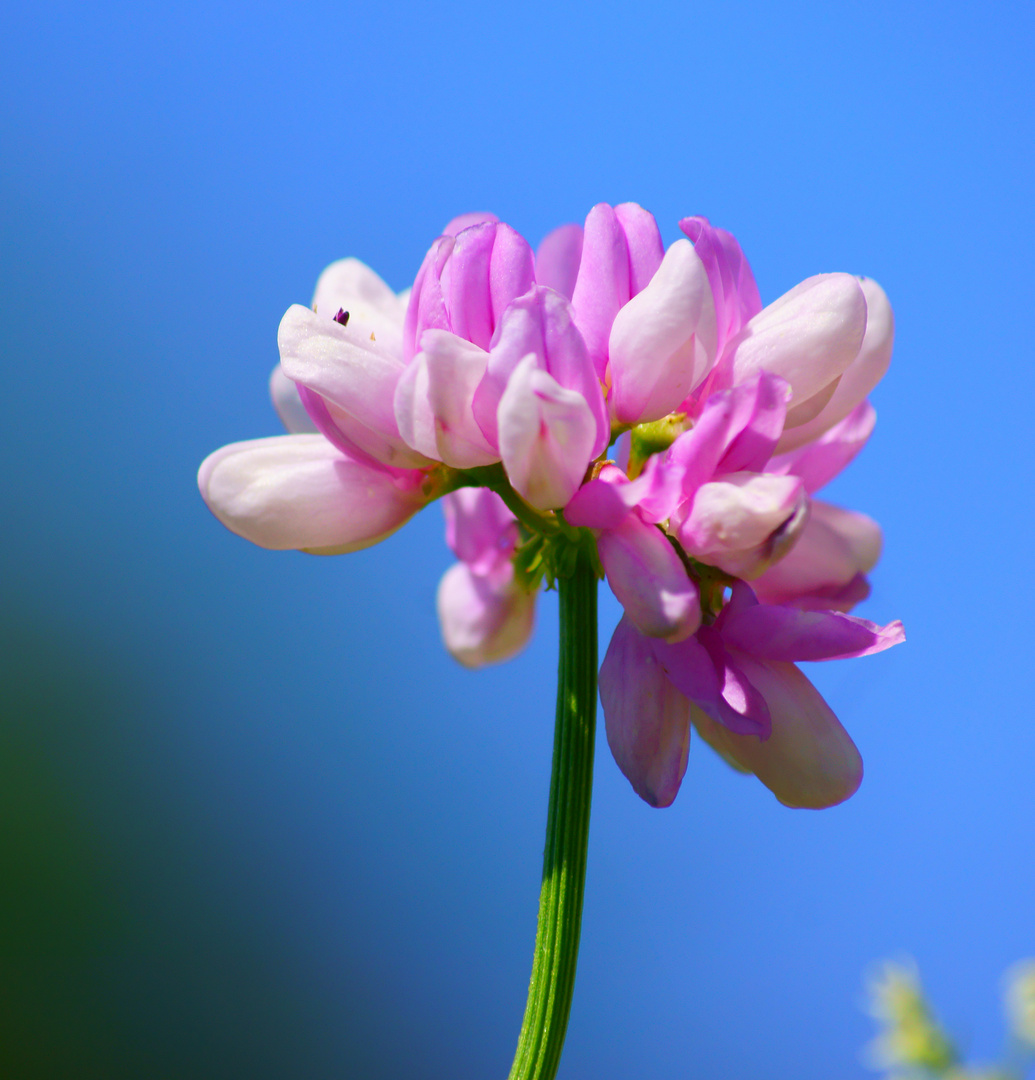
284 395
663 341
546 436
298 491
809 336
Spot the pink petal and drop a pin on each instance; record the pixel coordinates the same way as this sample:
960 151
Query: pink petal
662 342
647 719
808 759
732 283
465 284
743 522
484 618
540 323
546 436
601 503
433 401
298 491
649 579
809 336
466 221
602 286
480 530
760 406
643 239
342 365
824 568
819 462
426 309
557 260
863 374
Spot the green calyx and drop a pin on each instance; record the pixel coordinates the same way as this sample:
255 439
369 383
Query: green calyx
653 438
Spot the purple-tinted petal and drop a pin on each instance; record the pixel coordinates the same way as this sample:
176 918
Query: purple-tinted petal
740 706
785 633
299 491
649 579
480 530
647 719
662 343
546 436
808 759
484 618
557 260
820 461
690 667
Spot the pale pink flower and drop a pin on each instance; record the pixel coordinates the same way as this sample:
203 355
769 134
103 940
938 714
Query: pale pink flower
485 614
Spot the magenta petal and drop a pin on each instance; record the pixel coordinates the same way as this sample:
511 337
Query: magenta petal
600 503
602 287
466 221
649 579
480 530
690 667
557 260
732 283
760 407
820 461
647 719
788 634
286 400
468 299
643 239
427 305
808 759
512 272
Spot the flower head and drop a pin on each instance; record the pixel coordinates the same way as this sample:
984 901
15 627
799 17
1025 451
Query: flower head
500 380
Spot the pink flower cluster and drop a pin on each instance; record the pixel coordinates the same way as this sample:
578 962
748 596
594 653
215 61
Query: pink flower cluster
506 367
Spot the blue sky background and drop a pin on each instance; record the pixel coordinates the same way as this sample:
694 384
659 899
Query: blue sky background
255 821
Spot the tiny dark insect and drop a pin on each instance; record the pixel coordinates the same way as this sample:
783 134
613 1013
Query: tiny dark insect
342 317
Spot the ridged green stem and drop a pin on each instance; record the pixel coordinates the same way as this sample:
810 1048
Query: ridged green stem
567 832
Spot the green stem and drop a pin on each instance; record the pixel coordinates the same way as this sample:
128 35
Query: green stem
567 832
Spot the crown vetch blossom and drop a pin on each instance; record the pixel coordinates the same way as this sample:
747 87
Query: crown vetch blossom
499 381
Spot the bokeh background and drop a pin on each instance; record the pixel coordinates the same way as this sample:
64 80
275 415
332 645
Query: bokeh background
254 822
